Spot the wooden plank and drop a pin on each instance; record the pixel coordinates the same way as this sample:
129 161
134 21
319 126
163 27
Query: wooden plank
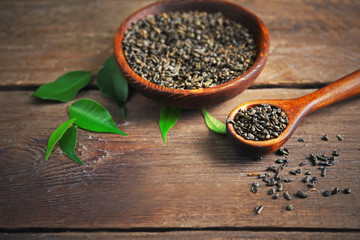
185 235
306 38
311 42
195 180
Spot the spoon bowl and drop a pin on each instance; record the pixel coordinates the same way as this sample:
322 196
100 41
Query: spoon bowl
196 98
295 109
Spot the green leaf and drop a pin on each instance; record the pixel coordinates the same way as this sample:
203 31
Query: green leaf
112 83
91 116
65 87
213 124
168 118
68 142
56 136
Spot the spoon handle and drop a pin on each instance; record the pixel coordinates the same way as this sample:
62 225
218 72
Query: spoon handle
341 89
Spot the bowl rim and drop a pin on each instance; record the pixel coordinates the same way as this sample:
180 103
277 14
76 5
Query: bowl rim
263 52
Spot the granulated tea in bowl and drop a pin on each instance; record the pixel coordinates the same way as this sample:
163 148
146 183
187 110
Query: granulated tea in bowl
190 54
189 50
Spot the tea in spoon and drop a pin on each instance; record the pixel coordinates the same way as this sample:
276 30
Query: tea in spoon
295 110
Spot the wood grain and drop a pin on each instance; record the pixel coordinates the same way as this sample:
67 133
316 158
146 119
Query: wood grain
196 185
195 180
312 42
186 235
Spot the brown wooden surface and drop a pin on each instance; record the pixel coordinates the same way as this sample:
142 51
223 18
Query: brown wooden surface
197 179
196 185
312 42
186 235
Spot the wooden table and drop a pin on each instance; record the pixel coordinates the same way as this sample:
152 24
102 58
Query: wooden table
196 186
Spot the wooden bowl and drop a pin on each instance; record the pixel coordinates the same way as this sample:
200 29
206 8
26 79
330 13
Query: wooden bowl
196 98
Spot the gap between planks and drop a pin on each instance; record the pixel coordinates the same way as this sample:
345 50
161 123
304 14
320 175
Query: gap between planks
175 229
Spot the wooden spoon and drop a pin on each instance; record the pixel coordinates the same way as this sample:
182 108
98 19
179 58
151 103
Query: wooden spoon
295 109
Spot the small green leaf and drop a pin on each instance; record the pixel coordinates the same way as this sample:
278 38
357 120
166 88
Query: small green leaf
65 87
91 116
56 136
68 143
112 83
213 124
168 118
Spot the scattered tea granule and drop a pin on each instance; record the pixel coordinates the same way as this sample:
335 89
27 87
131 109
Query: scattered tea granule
289 207
282 151
347 190
335 153
323 171
340 137
258 209
326 193
254 187
335 191
302 194
271 191
303 163
319 161
287 196
325 138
